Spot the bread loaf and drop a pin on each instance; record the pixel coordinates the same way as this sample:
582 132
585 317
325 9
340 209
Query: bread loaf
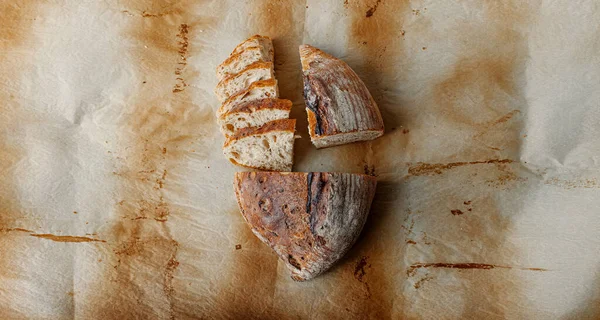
309 219
339 106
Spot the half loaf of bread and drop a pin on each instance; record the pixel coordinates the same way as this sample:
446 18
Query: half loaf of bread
309 219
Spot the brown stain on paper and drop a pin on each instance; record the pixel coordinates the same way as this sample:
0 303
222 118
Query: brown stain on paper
360 270
56 238
483 92
430 169
374 49
372 9
468 265
483 237
53 237
160 123
586 183
15 31
18 39
480 94
374 39
456 212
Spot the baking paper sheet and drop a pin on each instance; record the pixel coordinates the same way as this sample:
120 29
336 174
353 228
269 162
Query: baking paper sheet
116 202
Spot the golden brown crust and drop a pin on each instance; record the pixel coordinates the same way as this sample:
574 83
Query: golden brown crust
256 36
235 56
249 167
263 83
309 219
337 100
287 125
257 105
255 65
310 53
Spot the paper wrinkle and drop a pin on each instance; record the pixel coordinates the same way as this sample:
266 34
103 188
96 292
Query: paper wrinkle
116 199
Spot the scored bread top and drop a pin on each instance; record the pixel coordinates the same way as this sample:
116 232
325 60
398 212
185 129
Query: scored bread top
310 219
287 125
222 88
256 40
237 62
257 105
255 65
231 101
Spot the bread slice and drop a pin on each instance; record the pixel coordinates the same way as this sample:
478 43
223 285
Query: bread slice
339 106
254 114
257 41
257 90
309 219
270 147
241 60
233 84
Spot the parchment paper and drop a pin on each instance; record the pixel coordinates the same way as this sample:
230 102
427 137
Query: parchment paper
116 202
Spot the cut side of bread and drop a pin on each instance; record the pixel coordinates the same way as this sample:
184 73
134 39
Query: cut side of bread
241 60
270 147
339 106
257 41
254 114
233 84
309 219
257 90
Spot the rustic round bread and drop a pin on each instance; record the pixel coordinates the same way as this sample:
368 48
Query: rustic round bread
309 219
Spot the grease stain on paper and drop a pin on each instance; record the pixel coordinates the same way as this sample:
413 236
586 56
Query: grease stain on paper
466 265
430 169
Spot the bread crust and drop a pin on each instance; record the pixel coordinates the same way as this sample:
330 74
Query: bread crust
337 100
309 219
261 104
229 103
288 125
260 39
221 69
256 65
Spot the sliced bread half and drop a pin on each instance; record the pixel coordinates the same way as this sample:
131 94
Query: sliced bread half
257 41
270 147
233 84
241 60
339 106
254 114
257 90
